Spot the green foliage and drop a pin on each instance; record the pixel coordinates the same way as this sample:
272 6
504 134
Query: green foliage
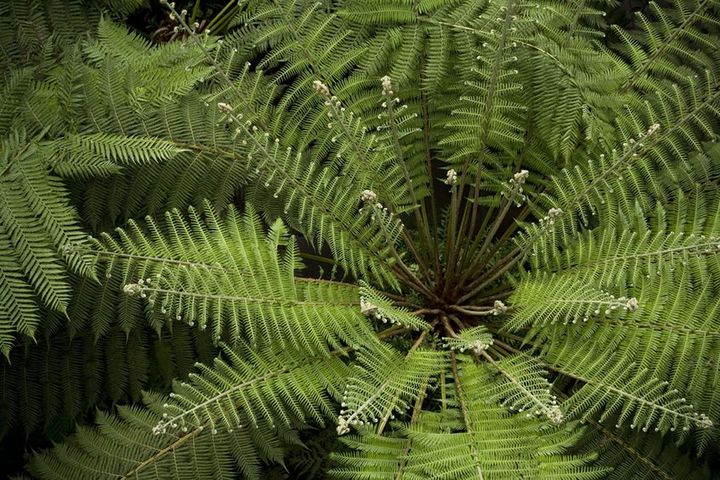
226 275
513 209
49 386
494 444
192 454
37 228
640 456
264 389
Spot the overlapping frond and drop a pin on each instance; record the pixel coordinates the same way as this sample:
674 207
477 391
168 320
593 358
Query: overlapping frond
641 456
475 339
522 386
384 383
37 226
489 119
124 446
645 296
47 387
405 144
469 440
302 43
564 299
673 43
616 385
375 305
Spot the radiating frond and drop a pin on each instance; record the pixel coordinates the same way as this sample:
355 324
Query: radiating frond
226 275
384 383
486 442
253 388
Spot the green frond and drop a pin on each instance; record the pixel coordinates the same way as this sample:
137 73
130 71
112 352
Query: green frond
611 257
474 339
374 304
384 383
672 44
564 299
641 456
253 387
490 116
522 386
118 149
124 446
688 115
38 229
48 386
614 384
224 274
489 443
365 12
302 43
672 335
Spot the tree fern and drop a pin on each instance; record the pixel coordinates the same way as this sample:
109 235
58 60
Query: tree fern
467 239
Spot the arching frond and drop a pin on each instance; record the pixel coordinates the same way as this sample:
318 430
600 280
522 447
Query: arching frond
225 274
124 446
48 387
384 383
251 388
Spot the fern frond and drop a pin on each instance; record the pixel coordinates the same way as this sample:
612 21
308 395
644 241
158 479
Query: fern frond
524 387
489 120
475 339
374 304
384 383
494 445
564 299
615 385
124 447
49 386
223 274
251 388
610 257
119 150
37 226
672 44
641 456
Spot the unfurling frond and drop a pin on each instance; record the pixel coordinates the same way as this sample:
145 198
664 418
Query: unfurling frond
475 340
374 304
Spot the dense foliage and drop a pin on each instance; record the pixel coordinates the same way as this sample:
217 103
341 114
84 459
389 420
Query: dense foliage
359 239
